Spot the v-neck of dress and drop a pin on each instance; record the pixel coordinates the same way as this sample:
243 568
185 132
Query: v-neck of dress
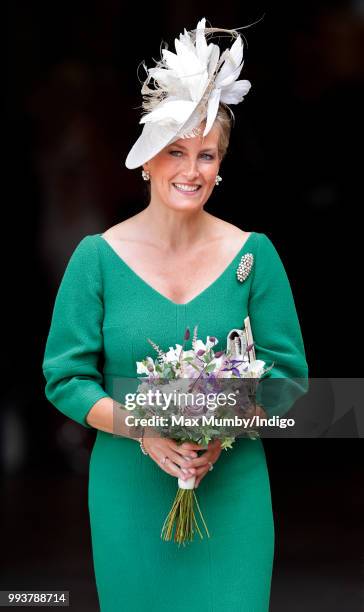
109 248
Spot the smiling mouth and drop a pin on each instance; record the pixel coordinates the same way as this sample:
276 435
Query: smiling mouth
188 191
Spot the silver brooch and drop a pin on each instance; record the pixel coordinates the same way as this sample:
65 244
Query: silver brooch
244 267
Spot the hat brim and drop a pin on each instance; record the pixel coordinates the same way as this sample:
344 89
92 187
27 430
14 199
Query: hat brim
155 137
150 142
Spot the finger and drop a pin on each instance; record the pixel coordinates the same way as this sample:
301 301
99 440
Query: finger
183 472
168 446
214 444
198 462
181 461
185 452
167 466
171 468
203 460
192 446
183 458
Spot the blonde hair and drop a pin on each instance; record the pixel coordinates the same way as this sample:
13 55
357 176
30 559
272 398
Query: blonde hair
225 121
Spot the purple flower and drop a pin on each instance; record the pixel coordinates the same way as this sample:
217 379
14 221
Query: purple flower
187 334
200 352
193 409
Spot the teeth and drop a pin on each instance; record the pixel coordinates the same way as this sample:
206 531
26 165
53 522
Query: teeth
186 187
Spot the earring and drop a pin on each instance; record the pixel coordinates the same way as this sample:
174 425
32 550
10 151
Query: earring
145 175
218 180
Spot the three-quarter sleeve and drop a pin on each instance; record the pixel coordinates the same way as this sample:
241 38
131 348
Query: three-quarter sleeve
276 332
75 342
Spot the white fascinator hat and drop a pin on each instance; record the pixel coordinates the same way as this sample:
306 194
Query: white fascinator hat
188 88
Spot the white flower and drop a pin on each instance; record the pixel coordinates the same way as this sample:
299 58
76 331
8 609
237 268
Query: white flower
199 346
255 369
172 356
219 363
210 342
189 353
142 368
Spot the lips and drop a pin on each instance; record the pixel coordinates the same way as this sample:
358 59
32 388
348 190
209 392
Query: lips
185 191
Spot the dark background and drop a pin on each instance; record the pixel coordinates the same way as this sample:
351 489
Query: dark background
292 172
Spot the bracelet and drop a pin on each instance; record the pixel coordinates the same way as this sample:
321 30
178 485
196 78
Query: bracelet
142 445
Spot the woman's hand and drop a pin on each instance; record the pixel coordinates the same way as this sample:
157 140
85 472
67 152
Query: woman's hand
255 410
202 463
179 457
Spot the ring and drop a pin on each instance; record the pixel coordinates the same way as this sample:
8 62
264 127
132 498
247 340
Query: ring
164 460
211 466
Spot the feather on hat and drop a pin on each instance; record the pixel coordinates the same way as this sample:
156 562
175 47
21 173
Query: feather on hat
188 87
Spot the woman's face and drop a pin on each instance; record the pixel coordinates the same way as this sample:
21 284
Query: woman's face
188 163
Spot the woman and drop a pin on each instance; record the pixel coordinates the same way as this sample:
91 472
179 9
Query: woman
167 268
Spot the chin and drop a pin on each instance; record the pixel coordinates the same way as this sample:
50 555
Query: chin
186 204
183 205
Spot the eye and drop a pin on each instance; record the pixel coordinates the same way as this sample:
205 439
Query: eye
205 155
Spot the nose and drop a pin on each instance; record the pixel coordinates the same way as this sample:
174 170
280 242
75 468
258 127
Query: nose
191 169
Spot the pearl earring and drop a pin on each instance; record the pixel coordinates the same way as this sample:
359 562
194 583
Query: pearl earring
145 175
218 180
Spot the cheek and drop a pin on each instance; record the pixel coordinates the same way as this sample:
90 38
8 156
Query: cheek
168 170
210 174
163 168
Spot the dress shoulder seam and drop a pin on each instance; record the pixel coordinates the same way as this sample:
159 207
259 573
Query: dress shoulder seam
93 241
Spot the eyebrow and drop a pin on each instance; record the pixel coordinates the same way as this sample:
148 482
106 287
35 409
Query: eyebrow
202 151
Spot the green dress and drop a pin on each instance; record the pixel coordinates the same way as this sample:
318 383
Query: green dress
103 314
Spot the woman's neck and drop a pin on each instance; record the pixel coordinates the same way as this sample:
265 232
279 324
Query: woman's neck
177 230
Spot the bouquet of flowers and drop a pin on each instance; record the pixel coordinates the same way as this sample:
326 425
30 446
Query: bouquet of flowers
187 376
